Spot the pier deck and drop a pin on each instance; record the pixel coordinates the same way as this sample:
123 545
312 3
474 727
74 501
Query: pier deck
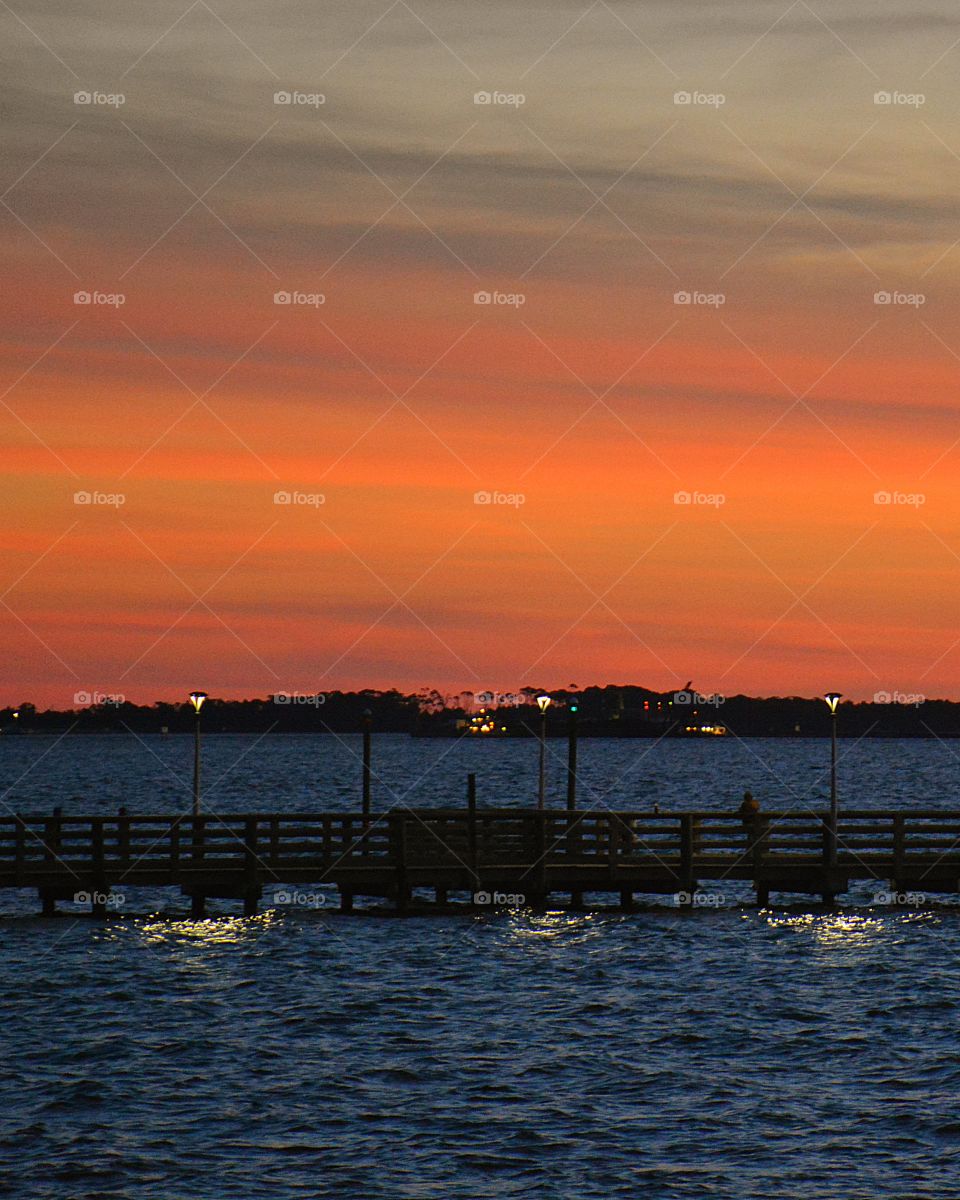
517 852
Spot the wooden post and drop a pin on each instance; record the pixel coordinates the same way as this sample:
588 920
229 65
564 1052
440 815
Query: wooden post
686 851
199 828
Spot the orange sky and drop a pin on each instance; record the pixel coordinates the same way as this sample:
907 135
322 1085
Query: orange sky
598 399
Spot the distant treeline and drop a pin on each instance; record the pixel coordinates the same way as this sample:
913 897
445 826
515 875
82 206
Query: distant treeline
610 711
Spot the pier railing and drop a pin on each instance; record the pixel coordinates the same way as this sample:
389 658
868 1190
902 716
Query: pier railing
490 836
451 848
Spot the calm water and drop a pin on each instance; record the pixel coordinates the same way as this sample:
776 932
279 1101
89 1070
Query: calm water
737 1053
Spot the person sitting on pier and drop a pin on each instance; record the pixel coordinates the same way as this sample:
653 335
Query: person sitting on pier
749 807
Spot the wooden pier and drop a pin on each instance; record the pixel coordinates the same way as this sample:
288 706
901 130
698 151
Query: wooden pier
478 854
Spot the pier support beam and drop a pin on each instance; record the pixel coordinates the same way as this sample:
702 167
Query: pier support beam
626 900
198 907
48 904
440 895
250 904
346 901
763 895
576 899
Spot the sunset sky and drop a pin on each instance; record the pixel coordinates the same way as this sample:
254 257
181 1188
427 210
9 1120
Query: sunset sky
786 187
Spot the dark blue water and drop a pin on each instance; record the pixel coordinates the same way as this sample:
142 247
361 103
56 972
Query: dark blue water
791 1052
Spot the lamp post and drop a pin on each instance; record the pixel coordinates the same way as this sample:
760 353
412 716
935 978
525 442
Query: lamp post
196 699
833 699
543 703
573 708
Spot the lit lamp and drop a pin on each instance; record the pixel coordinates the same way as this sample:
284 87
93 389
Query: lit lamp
543 703
196 699
833 699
